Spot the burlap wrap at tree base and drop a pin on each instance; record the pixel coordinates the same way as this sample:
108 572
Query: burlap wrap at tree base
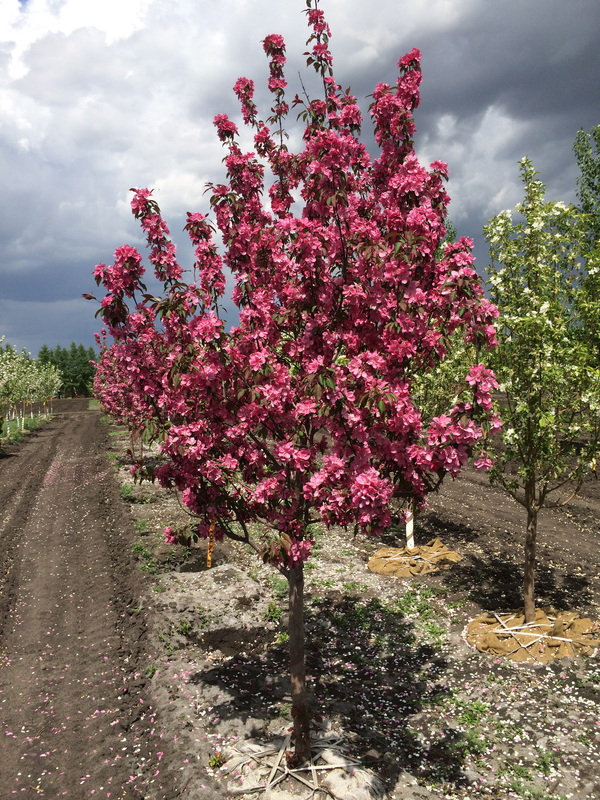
562 634
402 562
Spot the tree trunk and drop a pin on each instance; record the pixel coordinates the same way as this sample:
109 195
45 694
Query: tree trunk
529 582
410 526
300 713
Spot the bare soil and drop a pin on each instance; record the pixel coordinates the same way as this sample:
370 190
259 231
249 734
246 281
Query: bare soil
129 670
74 721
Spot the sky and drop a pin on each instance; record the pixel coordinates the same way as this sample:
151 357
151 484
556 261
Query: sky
98 96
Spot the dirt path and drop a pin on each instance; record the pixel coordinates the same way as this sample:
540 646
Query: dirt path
72 720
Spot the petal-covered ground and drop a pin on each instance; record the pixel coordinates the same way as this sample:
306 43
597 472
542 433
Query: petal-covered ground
128 670
74 721
391 673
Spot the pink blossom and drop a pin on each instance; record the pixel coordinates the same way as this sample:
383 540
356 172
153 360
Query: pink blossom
140 201
226 129
206 328
298 553
277 84
316 19
483 461
170 535
273 43
257 360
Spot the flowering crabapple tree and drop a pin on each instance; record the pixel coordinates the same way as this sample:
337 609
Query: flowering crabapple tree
548 370
302 412
117 382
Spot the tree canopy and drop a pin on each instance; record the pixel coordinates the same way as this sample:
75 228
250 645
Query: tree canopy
76 365
307 411
587 153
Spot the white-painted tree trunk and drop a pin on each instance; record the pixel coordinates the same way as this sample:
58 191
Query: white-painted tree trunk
410 526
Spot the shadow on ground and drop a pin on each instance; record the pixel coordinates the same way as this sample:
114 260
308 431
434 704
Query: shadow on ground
495 583
369 674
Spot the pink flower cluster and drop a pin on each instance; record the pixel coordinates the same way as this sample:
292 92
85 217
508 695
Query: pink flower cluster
304 410
124 275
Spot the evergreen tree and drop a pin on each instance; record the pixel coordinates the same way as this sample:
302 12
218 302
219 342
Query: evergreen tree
76 365
587 153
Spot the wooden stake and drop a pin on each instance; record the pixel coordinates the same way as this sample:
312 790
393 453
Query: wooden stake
211 544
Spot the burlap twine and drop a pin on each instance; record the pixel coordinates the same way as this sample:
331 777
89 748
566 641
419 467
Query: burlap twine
553 634
402 562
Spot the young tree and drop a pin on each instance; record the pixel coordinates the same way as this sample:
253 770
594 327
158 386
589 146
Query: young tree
587 153
549 378
24 381
304 411
48 384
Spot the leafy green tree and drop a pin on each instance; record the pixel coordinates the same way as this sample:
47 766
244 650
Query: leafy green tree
58 356
23 382
547 371
587 153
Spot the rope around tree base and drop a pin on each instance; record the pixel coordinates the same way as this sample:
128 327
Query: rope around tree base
264 767
403 562
562 634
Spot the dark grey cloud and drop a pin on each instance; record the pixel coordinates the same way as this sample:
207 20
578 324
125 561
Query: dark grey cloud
100 96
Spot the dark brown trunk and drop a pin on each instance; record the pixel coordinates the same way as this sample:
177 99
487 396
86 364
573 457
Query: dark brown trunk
300 713
529 582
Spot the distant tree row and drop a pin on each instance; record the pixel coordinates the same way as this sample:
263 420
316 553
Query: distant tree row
23 382
76 365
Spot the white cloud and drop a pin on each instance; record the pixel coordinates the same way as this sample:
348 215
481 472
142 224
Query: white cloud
115 19
484 175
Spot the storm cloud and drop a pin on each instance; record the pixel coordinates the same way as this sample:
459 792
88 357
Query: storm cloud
101 96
